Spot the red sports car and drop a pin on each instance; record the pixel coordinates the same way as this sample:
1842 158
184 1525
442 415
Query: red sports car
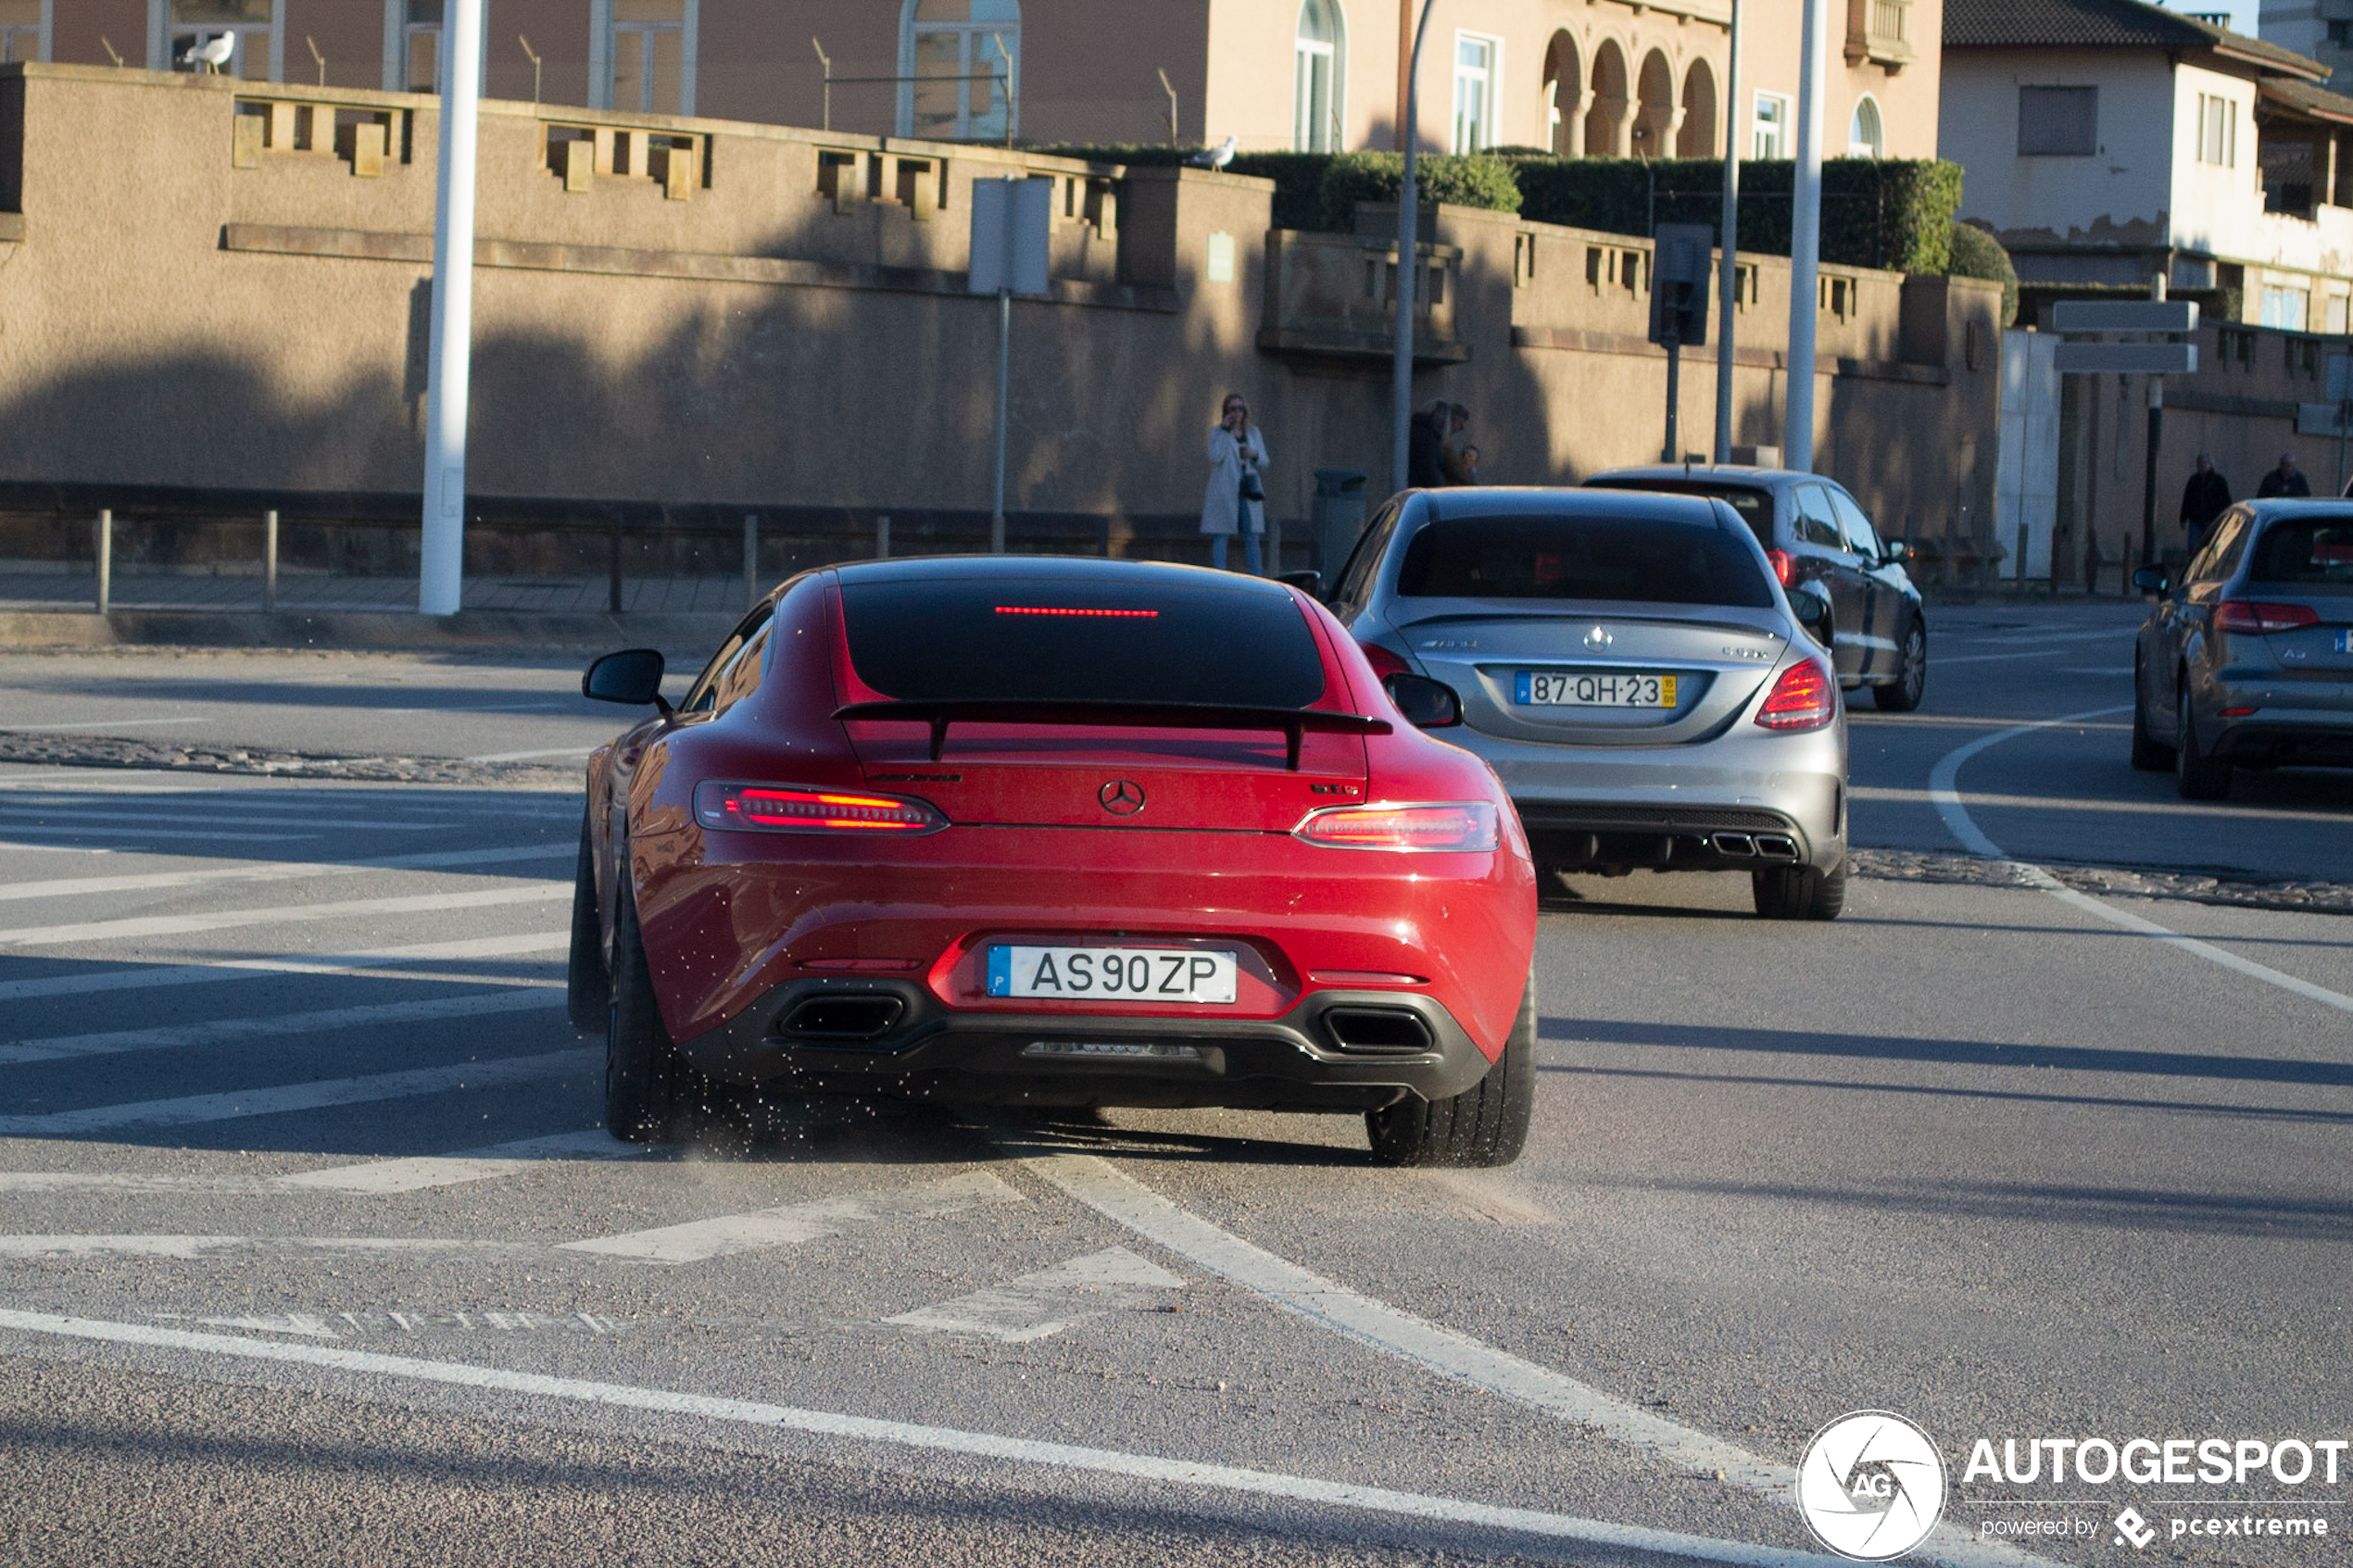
1055 832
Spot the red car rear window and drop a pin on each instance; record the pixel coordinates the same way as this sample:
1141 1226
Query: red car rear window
1063 640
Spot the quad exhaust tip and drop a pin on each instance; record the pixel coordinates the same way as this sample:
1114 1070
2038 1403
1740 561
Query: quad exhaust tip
1377 1031
1760 846
842 1017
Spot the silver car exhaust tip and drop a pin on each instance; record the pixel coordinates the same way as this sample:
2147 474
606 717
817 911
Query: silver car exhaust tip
1776 847
1739 845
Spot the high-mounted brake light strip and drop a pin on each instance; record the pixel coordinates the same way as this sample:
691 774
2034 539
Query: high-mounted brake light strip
1085 614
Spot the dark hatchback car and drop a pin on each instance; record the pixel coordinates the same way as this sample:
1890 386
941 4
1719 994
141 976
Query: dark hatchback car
1817 537
2246 661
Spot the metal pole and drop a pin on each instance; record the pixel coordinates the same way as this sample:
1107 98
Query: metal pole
2148 469
2343 411
612 569
1667 454
1409 213
1004 365
270 561
441 576
751 559
882 537
1805 242
106 559
1728 272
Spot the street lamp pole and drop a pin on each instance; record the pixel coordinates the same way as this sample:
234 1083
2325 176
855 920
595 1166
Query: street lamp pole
1805 242
1728 278
1409 213
441 575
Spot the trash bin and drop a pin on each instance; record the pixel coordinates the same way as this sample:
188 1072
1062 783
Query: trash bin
1337 518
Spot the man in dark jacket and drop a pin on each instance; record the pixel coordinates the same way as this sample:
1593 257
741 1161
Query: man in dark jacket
2202 501
1426 447
2285 479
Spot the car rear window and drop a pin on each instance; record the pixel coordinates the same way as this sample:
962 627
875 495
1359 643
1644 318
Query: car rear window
1754 505
1645 559
2320 551
1053 639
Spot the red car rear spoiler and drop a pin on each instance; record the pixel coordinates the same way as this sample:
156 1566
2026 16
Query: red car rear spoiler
1293 722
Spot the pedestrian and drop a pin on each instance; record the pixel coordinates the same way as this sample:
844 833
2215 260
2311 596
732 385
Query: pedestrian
1449 457
1426 447
2202 501
1235 501
2285 479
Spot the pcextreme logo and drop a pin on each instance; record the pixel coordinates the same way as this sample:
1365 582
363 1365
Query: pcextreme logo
1871 1486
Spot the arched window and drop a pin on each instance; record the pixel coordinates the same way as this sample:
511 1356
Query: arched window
1563 90
965 58
1319 58
1697 137
1866 136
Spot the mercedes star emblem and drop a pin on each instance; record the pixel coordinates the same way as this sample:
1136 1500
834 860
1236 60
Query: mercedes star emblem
1122 798
1598 639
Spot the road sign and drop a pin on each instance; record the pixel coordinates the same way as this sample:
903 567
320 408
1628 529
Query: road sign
1012 220
1681 259
2123 316
2129 358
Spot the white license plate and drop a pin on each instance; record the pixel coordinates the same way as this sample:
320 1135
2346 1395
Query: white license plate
1561 688
1125 974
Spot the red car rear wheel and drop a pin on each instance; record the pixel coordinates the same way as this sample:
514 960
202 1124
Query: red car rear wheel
1486 1125
650 1092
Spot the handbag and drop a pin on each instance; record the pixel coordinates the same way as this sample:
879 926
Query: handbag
1252 489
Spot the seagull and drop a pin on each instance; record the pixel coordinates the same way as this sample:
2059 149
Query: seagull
1217 157
212 55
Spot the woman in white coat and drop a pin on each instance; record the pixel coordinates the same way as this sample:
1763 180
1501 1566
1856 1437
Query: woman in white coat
1235 501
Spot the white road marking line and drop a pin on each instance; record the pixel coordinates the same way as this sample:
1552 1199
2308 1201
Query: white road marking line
373 1177
15 819
1942 788
1036 1305
191 1247
306 1323
295 870
2317 818
533 755
51 848
516 997
229 919
2094 670
380 963
205 835
794 1224
2121 634
936 1439
2037 652
1104 1188
98 725
413 1175
316 1096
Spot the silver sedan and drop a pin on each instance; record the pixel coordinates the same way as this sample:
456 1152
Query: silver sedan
1631 670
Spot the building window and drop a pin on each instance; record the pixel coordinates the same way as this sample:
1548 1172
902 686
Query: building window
1474 76
420 45
649 54
19 31
1769 136
965 55
1315 60
249 24
2333 315
2286 308
2058 121
1866 133
2218 131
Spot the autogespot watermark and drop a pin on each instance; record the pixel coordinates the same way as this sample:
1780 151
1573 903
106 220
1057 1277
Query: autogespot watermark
1872 1486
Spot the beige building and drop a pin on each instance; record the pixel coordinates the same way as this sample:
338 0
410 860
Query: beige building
1616 78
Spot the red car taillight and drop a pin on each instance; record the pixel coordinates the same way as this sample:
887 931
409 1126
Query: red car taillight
1784 572
780 808
1455 826
2240 615
1806 698
1384 662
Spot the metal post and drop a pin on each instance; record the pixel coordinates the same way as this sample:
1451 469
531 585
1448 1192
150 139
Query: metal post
526 42
269 559
106 559
1004 365
1728 273
1805 240
441 576
2148 469
882 537
612 569
2344 412
751 559
825 60
1409 214
1668 454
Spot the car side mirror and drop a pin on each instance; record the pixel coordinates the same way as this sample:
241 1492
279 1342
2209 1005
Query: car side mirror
1426 704
632 676
1812 608
1308 583
2151 580
1895 552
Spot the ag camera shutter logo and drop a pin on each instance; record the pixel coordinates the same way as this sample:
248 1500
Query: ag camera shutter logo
1871 1486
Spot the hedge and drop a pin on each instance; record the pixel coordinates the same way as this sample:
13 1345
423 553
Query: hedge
1350 178
1876 212
1977 254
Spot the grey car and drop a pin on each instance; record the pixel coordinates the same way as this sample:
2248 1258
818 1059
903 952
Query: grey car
2247 660
1631 670
1816 535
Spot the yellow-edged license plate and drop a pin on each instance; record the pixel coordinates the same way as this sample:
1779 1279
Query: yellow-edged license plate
1563 688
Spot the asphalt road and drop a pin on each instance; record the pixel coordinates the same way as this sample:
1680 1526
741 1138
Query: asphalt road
311 1249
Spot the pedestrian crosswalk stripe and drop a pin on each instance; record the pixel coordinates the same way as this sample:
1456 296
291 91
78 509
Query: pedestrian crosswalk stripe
794 1224
190 1249
227 920
295 870
383 963
372 1177
517 997
1035 1305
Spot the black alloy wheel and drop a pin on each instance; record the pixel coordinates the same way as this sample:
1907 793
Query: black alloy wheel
651 1094
1799 892
2149 754
2197 776
1903 694
1484 1125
